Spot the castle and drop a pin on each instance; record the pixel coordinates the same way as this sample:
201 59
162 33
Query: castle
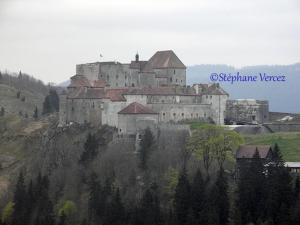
138 94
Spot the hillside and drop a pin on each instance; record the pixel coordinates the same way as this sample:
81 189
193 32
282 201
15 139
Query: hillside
289 143
281 95
19 95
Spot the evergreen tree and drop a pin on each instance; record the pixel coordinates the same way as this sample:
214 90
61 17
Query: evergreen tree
218 201
115 213
44 208
146 146
90 149
20 203
197 199
36 113
2 112
297 186
182 199
51 102
18 94
95 205
280 191
149 209
62 219
251 190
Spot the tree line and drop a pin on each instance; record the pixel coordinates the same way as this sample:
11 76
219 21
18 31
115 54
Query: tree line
264 193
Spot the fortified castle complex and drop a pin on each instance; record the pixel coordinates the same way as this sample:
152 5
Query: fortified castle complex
139 94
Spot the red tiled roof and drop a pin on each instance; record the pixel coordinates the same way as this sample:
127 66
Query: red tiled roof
247 151
115 94
86 93
136 108
79 81
98 83
163 59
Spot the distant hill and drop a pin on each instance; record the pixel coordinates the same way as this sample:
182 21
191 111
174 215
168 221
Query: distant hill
21 93
283 96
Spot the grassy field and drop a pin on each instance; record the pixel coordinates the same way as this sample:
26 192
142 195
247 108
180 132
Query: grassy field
289 143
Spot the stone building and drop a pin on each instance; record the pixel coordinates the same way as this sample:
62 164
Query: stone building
247 111
119 95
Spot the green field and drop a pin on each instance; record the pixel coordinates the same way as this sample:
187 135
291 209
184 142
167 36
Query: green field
289 143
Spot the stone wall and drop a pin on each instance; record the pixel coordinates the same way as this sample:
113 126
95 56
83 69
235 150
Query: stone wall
132 123
178 112
89 70
247 111
84 111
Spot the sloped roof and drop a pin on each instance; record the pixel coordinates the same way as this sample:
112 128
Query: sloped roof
136 108
87 93
115 94
79 81
248 151
162 60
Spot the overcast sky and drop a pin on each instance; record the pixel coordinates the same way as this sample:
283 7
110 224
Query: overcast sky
47 38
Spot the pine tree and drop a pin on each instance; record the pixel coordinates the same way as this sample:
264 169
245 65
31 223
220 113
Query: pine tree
198 199
218 201
44 214
182 199
116 212
251 190
95 205
280 191
2 112
90 149
297 186
36 113
146 145
149 209
51 102
62 219
20 203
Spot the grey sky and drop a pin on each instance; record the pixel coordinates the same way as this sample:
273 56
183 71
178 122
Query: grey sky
46 38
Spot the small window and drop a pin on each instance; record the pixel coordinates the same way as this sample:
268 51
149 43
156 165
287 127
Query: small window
176 80
120 130
93 105
181 81
116 84
174 71
182 114
174 114
191 114
197 115
171 79
164 114
107 77
117 76
204 114
206 96
125 76
132 85
162 101
210 97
